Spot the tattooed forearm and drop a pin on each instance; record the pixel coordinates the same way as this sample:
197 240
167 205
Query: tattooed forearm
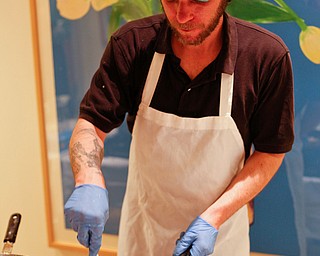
87 153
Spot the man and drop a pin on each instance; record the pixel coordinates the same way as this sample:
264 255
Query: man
200 88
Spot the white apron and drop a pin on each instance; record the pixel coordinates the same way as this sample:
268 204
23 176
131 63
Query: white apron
177 168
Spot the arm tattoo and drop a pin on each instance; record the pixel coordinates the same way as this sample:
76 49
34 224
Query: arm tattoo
80 156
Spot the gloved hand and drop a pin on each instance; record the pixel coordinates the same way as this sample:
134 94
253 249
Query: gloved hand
201 236
88 210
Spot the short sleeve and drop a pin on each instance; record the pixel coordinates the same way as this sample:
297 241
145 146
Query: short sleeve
106 102
272 124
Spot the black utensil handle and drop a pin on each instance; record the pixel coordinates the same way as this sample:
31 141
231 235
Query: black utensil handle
186 253
13 227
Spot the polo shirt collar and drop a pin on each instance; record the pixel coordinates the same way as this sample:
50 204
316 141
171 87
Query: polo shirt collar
163 43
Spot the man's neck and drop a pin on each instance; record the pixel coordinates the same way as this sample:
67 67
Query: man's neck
194 58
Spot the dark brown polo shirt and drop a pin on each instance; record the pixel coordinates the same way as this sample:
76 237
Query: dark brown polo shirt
263 83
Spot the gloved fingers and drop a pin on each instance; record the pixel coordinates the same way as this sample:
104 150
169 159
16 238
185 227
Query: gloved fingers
74 223
84 235
206 237
88 203
87 210
95 242
93 252
184 243
69 213
196 252
179 249
199 249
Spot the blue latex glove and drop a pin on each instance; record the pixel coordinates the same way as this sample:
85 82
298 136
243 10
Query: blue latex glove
201 236
88 210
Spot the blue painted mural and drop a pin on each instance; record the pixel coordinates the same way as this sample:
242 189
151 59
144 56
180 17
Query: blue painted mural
287 212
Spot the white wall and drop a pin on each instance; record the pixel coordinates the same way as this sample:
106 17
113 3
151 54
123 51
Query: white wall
21 174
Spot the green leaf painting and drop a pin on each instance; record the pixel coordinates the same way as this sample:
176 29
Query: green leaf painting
256 11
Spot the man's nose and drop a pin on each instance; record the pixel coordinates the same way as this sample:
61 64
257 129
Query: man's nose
184 12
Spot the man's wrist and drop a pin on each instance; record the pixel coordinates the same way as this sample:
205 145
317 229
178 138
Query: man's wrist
213 217
91 176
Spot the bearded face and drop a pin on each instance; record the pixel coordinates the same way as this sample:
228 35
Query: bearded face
203 18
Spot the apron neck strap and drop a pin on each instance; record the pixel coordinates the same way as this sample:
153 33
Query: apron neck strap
152 78
226 94
226 91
